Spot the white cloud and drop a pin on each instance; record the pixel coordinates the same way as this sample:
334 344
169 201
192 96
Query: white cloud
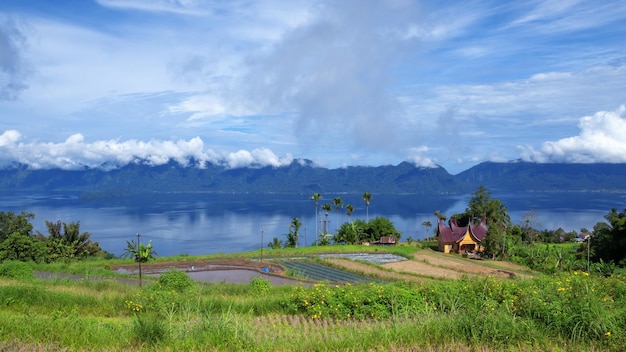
416 157
9 137
76 153
602 138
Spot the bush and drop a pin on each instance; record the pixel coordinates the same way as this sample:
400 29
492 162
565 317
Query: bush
175 280
14 269
260 286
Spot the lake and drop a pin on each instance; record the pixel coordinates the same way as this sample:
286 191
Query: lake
225 223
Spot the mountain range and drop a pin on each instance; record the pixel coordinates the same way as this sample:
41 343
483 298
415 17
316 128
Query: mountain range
303 177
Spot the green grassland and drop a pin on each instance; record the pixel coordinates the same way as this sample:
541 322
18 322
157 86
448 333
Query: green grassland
564 311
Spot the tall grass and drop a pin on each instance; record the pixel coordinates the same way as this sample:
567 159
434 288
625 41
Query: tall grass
567 312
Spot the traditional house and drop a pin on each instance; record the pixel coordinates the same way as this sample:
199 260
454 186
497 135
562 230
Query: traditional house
458 239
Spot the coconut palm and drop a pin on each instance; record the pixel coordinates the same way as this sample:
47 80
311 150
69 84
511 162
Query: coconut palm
338 203
294 233
349 209
326 207
316 197
427 225
367 197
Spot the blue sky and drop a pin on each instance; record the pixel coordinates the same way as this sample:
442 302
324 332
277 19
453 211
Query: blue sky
341 82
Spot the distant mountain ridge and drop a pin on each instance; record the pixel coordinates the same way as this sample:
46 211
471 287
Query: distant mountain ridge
301 176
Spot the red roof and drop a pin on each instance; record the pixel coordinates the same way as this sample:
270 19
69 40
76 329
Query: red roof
455 233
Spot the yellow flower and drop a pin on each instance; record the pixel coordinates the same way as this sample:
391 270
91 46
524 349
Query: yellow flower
607 334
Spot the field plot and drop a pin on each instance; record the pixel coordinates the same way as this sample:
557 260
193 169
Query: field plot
318 272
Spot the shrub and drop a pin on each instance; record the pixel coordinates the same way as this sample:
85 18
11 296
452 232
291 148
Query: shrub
16 270
260 285
175 280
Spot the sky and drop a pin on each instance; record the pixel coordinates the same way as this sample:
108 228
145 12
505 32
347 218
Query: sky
103 83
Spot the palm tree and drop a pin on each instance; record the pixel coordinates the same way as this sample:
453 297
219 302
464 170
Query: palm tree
294 229
427 224
326 207
316 197
367 197
275 244
349 209
338 203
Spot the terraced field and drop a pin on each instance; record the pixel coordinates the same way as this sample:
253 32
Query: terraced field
318 272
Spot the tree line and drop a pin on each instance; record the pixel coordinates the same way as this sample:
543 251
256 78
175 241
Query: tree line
350 232
19 241
606 244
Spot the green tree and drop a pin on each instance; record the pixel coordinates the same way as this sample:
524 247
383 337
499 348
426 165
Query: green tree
22 247
379 227
326 208
351 232
66 242
367 197
498 220
349 209
140 252
275 244
338 203
608 241
17 241
294 233
11 223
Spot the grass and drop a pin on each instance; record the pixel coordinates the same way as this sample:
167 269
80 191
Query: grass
564 312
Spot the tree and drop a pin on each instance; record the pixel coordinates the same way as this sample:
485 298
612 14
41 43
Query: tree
294 233
497 216
349 209
609 240
351 232
530 224
316 197
427 225
18 246
65 241
381 226
338 203
11 223
367 197
140 252
326 208
275 244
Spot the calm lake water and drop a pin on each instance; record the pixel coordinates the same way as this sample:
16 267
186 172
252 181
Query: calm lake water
208 223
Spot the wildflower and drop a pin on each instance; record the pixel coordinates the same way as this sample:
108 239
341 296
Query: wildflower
607 334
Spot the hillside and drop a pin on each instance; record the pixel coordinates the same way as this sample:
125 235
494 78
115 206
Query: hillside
302 177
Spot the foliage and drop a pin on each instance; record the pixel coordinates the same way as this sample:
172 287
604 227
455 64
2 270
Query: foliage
570 311
11 223
294 233
14 269
359 231
17 241
66 242
480 206
141 254
609 240
371 301
176 280
260 285
275 243
24 247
